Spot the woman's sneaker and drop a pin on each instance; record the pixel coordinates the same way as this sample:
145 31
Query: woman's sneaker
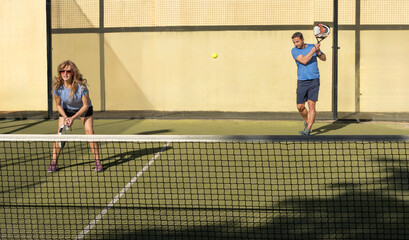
52 167
98 167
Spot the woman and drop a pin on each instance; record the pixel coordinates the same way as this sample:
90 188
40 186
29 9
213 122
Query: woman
72 99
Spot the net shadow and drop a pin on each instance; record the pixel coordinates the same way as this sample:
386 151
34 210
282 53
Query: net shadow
155 132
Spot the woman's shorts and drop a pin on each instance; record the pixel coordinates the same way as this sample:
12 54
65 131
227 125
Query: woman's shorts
71 113
307 90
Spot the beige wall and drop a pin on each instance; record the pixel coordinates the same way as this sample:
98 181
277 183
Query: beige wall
346 71
23 58
83 49
384 71
174 71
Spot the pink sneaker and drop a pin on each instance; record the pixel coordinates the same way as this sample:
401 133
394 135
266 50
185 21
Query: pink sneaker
52 167
98 167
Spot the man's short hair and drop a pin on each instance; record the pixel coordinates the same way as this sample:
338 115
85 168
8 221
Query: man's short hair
298 34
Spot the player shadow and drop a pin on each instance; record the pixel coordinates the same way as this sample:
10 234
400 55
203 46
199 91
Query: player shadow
125 157
336 125
119 158
116 159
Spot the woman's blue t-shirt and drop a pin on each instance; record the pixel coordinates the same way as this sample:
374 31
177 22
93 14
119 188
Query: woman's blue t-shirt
310 70
76 102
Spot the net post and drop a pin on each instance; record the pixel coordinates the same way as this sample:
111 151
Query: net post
49 61
335 64
357 56
102 54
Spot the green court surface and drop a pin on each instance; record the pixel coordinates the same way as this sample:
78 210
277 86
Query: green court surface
208 127
206 190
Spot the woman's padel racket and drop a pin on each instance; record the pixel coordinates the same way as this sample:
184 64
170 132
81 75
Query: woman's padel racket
321 31
63 130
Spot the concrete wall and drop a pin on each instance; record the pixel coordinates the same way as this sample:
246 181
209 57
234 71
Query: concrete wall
174 70
23 55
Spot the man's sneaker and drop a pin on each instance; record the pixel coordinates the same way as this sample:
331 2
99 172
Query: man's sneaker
52 167
306 132
98 167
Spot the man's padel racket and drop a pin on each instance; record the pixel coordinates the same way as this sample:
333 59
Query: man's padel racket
321 31
63 130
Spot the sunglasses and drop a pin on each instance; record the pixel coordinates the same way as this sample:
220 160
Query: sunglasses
65 71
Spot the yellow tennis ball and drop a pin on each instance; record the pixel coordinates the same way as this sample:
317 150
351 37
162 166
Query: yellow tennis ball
214 55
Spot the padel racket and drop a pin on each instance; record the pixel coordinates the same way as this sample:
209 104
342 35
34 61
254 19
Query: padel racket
63 130
321 31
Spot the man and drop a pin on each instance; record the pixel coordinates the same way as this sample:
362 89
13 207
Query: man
305 56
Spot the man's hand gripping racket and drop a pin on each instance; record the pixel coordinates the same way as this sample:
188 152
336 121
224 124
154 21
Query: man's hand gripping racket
321 31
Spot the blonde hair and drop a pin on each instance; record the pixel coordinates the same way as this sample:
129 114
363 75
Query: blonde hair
77 79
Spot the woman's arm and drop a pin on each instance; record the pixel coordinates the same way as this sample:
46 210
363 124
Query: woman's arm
83 109
60 109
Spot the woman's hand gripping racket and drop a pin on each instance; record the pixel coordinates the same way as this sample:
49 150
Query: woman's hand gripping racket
321 31
63 130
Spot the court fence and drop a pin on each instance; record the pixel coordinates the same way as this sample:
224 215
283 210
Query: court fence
152 57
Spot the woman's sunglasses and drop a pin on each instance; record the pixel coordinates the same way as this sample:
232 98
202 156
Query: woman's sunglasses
65 71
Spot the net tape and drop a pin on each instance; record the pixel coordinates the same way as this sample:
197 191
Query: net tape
201 138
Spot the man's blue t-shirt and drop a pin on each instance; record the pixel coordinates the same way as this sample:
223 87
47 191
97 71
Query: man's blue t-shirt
76 102
310 70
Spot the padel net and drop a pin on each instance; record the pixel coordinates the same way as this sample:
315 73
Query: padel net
223 187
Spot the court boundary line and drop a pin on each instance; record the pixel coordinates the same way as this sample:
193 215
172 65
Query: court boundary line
99 217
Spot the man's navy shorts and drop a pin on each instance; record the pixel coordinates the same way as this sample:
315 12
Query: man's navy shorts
307 90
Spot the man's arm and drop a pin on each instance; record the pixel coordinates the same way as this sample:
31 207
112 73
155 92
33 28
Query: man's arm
305 59
321 56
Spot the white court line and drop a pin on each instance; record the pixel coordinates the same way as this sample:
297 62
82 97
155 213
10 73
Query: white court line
119 195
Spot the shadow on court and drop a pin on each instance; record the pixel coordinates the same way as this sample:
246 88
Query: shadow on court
9 189
343 121
155 132
371 208
125 157
119 159
22 126
334 126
